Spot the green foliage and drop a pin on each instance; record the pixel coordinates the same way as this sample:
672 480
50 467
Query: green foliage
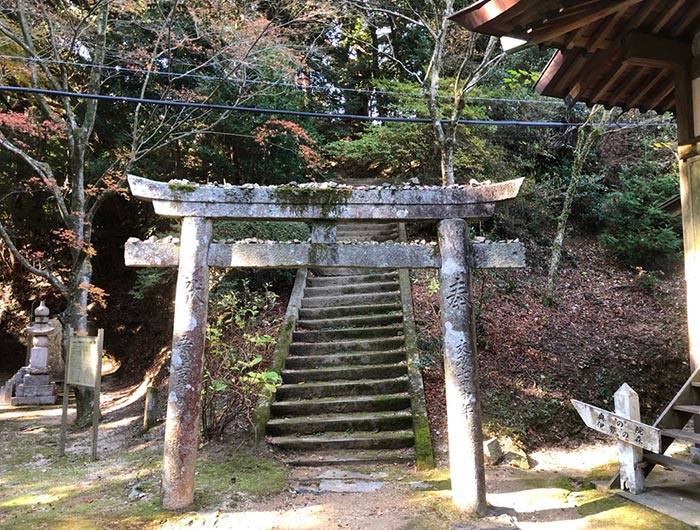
148 279
234 373
636 231
519 78
272 231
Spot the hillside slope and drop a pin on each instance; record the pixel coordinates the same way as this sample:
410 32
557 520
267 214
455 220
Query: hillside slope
609 325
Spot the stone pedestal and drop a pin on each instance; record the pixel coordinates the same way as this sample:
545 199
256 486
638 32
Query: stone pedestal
31 385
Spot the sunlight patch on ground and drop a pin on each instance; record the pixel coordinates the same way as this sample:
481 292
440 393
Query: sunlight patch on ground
576 461
307 518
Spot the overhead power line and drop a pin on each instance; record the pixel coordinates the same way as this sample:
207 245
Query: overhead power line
286 112
126 70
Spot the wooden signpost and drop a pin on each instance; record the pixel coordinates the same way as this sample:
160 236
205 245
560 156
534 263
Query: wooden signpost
83 368
632 435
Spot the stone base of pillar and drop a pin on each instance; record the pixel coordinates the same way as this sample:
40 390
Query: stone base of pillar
28 389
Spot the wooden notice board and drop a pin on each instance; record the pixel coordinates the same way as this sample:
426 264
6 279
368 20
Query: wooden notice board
83 368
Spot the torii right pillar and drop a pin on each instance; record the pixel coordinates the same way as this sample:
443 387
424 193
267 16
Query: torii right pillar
688 119
461 369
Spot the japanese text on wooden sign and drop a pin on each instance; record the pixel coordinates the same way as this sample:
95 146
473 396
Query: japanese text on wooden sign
82 361
624 429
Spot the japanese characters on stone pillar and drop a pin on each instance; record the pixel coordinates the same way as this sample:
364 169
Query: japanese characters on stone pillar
461 369
187 361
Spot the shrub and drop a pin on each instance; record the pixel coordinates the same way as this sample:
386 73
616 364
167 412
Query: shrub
636 230
237 345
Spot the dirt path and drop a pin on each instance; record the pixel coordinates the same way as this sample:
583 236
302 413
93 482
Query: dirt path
121 490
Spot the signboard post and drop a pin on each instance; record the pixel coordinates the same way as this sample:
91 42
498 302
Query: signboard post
83 368
633 436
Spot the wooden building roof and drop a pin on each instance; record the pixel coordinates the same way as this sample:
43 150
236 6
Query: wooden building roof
615 52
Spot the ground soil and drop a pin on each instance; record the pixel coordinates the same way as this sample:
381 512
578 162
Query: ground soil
555 493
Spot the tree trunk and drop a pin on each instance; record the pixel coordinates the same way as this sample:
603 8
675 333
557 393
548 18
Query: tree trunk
76 318
588 133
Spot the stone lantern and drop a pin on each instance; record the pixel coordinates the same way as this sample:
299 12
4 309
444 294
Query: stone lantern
31 384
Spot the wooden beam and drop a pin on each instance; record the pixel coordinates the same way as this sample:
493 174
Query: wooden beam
571 20
483 12
600 91
682 84
274 255
651 50
603 32
669 13
647 88
688 17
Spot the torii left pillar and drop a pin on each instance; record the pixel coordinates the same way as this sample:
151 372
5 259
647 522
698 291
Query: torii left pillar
187 361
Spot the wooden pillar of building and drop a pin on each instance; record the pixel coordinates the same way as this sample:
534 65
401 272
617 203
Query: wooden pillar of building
461 370
688 119
189 335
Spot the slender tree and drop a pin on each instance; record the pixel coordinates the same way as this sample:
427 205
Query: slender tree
587 135
195 50
477 55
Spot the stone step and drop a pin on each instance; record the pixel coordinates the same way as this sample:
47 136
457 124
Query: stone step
360 288
324 281
342 388
389 318
366 226
308 313
346 404
692 409
672 463
332 441
347 373
358 421
349 457
346 346
345 359
352 299
679 434
361 238
347 333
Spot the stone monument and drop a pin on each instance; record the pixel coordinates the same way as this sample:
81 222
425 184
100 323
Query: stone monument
31 384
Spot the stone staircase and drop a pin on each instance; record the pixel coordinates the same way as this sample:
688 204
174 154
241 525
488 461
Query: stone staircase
346 395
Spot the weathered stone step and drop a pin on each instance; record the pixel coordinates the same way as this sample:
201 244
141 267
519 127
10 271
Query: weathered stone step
345 359
358 421
672 463
347 333
692 409
307 313
342 388
340 346
360 238
389 318
366 227
348 373
323 281
351 403
680 434
350 457
352 299
360 288
360 440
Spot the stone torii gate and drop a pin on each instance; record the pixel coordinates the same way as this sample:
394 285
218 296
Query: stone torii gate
323 205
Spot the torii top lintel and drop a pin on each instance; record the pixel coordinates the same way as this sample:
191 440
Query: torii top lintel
325 201
615 52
